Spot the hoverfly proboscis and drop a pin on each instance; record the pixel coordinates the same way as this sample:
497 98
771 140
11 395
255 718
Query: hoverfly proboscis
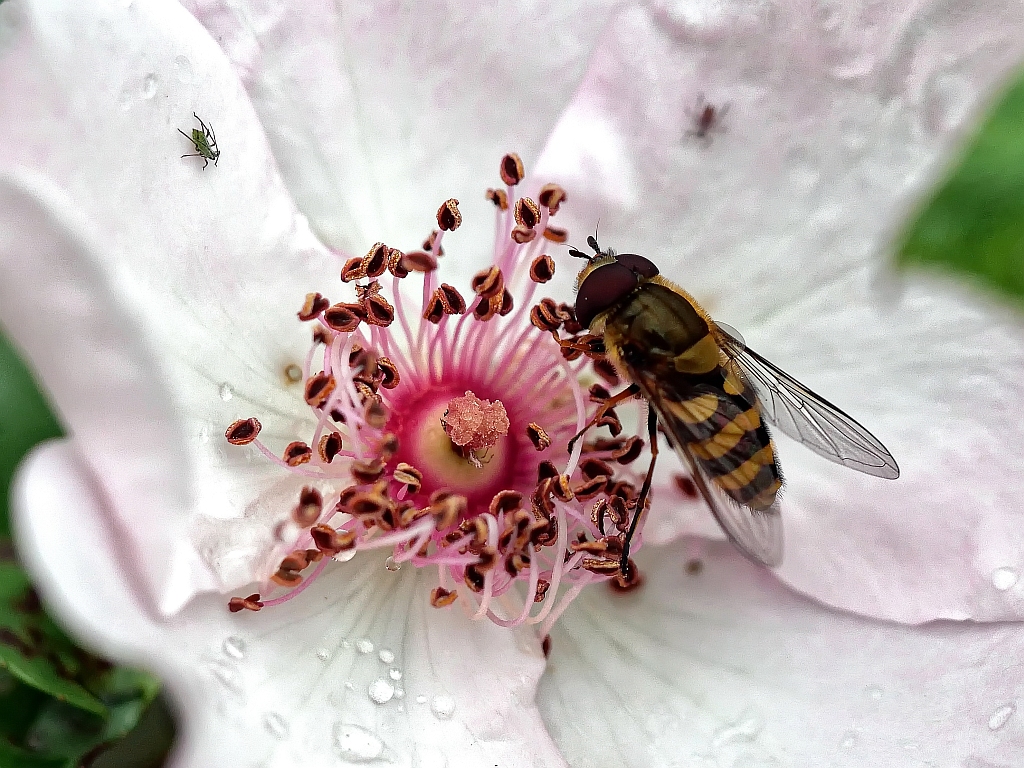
712 395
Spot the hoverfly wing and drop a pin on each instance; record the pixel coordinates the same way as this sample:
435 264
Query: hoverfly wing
805 416
758 535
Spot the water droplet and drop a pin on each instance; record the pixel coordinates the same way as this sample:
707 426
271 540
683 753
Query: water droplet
149 83
364 646
276 725
395 674
391 565
356 744
346 644
381 691
443 706
998 718
323 654
745 729
228 677
399 693
345 555
385 655
874 692
849 740
234 647
183 67
125 100
226 392
349 686
1004 578
421 699
204 434
293 373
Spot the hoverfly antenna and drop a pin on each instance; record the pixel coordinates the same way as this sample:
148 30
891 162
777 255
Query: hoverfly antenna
592 242
579 254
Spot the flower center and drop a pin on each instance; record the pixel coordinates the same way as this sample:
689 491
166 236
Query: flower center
440 430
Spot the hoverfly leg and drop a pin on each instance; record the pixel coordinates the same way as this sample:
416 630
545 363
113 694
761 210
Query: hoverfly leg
631 391
645 489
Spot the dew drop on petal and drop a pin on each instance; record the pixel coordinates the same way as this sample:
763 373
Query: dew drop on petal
234 647
356 744
395 674
999 718
349 686
381 691
399 693
874 692
149 83
226 392
1004 578
323 654
275 725
293 373
849 740
364 646
745 729
125 99
183 68
227 675
443 706
344 556
421 699
391 565
346 644
386 655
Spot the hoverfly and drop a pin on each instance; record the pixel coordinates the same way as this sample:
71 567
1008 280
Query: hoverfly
712 395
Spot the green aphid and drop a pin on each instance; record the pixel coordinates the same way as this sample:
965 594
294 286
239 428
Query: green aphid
204 141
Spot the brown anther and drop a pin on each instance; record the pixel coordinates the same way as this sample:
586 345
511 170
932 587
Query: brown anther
366 471
485 309
512 171
345 499
357 356
286 578
451 300
250 603
448 216
488 558
506 302
318 389
330 541
294 561
243 431
570 324
541 320
538 436
308 510
447 511
375 262
632 580
543 585
329 447
694 566
353 270
409 476
388 447
474 578
598 394
499 198
396 263
598 547
368 505
542 269
365 392
390 377
522 234
606 371
435 310
488 282
610 420
526 213
591 467
478 528
343 318
600 565
630 452
419 261
505 501
376 414
545 470
591 345
297 453
551 196
588 489
441 597
545 644
561 488
430 244
378 311
313 306
314 555
556 234
322 335
570 352
686 486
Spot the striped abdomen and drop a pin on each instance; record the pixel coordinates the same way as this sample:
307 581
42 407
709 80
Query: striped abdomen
730 444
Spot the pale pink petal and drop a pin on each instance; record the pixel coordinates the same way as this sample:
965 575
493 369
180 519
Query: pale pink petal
729 668
360 669
378 112
780 221
169 292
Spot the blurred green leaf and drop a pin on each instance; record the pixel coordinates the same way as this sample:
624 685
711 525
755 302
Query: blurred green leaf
974 224
25 419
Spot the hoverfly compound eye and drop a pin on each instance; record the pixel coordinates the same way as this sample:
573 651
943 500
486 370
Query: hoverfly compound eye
603 288
638 264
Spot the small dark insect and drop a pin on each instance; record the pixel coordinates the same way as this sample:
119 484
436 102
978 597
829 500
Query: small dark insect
204 141
706 118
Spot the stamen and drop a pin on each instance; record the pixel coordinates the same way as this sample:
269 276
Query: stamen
243 431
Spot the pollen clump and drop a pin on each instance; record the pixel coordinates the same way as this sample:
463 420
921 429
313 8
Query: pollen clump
474 424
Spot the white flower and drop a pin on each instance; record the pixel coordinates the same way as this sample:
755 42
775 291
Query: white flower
155 301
